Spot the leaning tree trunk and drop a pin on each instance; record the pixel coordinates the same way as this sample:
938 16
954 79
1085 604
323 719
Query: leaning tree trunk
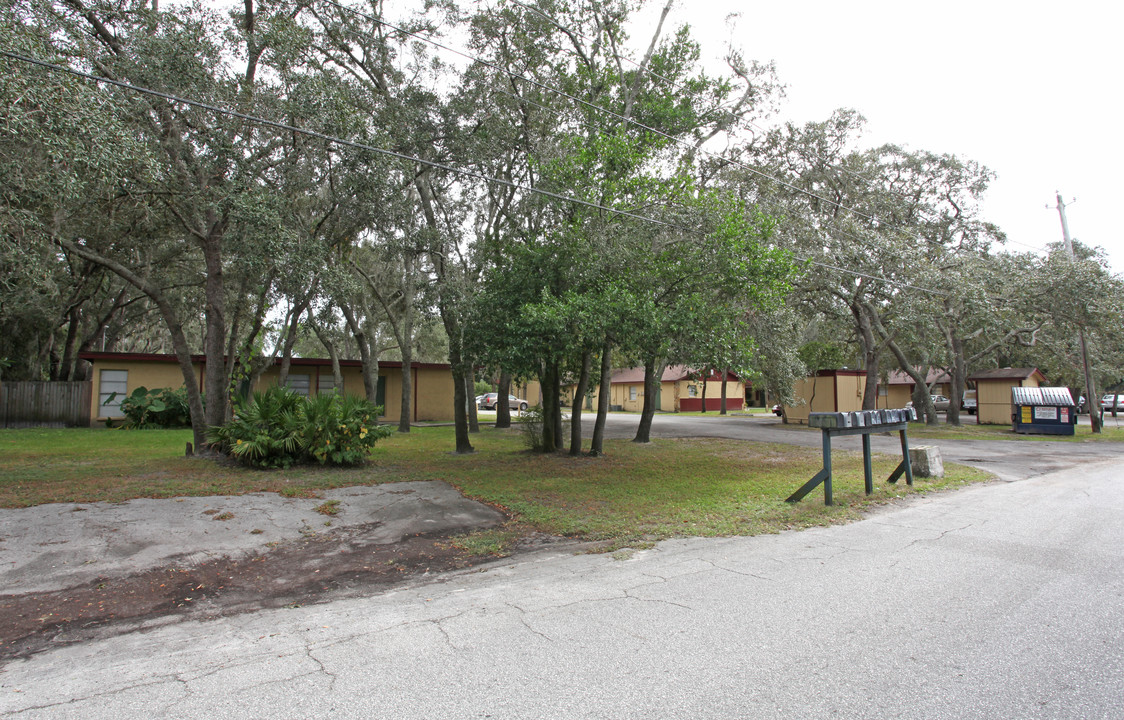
604 397
503 409
869 343
722 404
470 401
368 365
653 369
579 399
175 330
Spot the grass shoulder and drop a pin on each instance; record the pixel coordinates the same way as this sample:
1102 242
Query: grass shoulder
971 431
634 494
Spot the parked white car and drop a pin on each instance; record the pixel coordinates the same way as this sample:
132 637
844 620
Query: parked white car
940 403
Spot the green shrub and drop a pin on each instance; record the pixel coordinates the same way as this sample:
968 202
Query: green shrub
341 430
531 427
159 408
276 428
266 429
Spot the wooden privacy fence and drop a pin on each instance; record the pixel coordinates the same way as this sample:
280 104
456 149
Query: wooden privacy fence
45 404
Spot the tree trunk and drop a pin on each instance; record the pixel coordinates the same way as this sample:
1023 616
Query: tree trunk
870 354
579 399
503 410
406 411
446 307
460 401
214 386
175 330
550 433
290 341
604 397
653 370
705 375
556 408
959 373
470 401
333 354
370 374
722 404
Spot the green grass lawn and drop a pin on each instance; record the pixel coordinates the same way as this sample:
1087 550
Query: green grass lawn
635 493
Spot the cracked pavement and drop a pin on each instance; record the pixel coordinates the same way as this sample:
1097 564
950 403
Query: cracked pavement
106 540
1000 600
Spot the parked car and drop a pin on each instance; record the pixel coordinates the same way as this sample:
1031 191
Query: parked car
940 403
1112 402
778 411
479 402
968 403
489 401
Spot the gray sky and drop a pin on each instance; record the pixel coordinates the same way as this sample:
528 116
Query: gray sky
1032 90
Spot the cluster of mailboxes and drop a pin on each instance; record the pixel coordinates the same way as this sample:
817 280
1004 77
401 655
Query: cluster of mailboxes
861 419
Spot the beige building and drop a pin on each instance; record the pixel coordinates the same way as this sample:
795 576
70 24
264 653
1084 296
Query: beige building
993 392
122 373
828 391
898 389
680 390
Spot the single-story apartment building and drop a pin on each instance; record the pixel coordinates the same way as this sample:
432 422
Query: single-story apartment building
680 390
122 373
898 389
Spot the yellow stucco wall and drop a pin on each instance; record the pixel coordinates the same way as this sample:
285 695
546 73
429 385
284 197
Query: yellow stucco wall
849 391
150 375
849 394
993 398
531 391
433 395
433 386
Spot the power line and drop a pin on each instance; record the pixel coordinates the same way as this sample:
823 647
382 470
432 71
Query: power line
329 138
598 108
402 156
627 120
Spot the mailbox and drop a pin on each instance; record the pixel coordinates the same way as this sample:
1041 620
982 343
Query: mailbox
829 420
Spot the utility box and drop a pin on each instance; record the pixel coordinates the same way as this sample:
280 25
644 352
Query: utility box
1043 411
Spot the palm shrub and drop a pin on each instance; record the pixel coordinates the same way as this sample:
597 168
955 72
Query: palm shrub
342 429
266 430
277 428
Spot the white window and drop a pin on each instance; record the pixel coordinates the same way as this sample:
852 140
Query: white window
692 391
632 392
300 383
112 389
326 385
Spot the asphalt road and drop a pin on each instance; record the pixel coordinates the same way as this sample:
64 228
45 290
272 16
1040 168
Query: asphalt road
1001 600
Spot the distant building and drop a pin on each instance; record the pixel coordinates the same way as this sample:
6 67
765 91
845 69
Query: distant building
122 373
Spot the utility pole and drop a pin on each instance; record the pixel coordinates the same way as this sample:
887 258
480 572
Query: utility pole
1090 387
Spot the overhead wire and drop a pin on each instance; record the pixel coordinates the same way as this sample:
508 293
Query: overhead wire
594 106
631 121
403 156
